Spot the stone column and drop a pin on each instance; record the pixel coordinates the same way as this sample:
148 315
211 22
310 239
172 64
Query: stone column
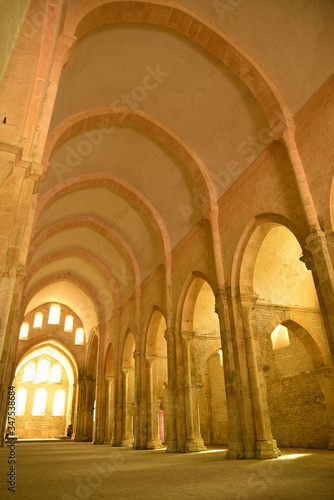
100 391
137 412
70 405
316 244
7 360
317 259
172 444
89 409
265 446
191 443
80 412
119 404
109 425
150 442
325 377
197 418
126 438
235 443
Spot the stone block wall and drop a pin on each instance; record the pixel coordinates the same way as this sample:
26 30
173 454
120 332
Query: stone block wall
296 402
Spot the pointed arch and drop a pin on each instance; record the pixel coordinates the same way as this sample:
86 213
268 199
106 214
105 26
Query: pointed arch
88 15
88 258
153 341
249 245
293 322
188 298
105 117
109 181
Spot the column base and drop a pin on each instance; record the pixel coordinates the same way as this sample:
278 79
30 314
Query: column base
192 446
235 450
200 442
172 446
276 448
265 449
153 445
127 443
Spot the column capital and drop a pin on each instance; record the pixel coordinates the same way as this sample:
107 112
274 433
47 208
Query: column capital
248 301
136 354
169 333
187 335
315 241
150 358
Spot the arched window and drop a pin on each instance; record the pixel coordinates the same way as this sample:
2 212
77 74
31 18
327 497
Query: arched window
55 373
280 337
39 402
54 315
24 331
38 320
94 411
20 401
43 370
68 324
79 336
29 372
58 403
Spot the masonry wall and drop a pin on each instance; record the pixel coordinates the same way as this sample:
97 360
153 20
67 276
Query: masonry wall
296 402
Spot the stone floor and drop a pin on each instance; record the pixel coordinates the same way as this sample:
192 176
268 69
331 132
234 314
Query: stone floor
67 470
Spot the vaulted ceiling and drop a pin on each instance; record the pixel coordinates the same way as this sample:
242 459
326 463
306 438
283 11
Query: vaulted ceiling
161 108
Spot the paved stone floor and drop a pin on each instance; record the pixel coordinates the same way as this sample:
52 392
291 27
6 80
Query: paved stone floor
68 470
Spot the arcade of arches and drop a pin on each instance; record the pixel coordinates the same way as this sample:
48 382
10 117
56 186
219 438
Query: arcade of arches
166 228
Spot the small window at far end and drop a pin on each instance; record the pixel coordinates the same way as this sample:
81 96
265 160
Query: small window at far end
38 320
280 337
54 315
24 331
68 324
79 336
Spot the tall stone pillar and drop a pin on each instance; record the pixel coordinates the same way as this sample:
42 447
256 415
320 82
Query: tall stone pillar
7 364
110 423
100 392
325 377
89 409
151 444
197 419
316 254
265 447
137 413
80 412
70 404
118 405
172 444
317 259
191 443
235 443
127 436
